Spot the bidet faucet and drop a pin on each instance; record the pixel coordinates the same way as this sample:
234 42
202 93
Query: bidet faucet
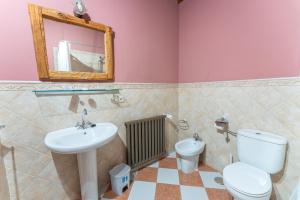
197 137
84 124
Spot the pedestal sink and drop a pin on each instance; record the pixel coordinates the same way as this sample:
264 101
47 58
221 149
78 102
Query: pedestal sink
84 143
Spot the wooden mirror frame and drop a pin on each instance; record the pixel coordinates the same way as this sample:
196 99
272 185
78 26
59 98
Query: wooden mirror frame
37 13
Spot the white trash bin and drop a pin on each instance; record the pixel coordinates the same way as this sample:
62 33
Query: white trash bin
119 176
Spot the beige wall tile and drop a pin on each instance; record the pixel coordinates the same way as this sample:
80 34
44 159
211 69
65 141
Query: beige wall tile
32 171
270 105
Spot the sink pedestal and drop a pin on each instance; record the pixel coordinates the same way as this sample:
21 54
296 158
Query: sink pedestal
87 164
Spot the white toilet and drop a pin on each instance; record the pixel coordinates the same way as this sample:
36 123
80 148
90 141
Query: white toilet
189 151
260 154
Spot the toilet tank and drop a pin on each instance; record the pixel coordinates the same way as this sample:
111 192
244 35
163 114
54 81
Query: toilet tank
260 149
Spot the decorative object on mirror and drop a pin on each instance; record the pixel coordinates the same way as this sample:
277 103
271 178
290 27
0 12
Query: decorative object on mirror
80 10
69 48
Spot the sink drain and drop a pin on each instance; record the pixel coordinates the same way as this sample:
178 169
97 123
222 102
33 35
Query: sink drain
219 180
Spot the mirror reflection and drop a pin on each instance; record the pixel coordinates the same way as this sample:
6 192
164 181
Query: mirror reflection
72 48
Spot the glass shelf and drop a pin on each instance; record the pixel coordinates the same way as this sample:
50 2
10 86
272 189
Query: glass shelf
75 91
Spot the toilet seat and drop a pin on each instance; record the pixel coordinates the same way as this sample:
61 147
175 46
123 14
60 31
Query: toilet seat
247 180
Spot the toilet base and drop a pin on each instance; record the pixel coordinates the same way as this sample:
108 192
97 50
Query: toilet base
189 164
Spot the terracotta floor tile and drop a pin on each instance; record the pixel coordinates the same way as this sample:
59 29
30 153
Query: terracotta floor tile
168 163
192 179
167 192
125 195
204 167
147 174
111 195
217 194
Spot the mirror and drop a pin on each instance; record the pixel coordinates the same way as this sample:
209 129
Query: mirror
74 48
69 48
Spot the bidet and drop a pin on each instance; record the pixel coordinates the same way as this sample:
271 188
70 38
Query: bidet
189 151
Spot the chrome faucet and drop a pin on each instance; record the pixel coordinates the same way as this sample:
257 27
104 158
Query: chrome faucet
197 137
84 124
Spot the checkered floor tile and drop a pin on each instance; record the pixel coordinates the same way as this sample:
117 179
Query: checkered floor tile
164 180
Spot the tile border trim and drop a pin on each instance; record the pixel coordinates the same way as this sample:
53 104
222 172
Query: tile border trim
37 85
291 81
25 86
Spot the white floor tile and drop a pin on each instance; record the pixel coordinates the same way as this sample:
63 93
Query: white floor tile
144 190
193 193
208 179
172 155
154 165
168 176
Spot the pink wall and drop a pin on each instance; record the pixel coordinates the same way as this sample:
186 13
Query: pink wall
218 39
146 38
234 39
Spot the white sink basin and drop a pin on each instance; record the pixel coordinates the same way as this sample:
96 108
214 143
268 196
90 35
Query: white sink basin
74 140
84 143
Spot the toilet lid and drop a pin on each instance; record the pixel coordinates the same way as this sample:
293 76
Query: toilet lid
247 179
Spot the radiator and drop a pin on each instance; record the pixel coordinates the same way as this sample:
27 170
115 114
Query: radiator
145 141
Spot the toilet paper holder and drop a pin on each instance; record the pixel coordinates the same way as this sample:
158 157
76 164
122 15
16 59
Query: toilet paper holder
222 125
